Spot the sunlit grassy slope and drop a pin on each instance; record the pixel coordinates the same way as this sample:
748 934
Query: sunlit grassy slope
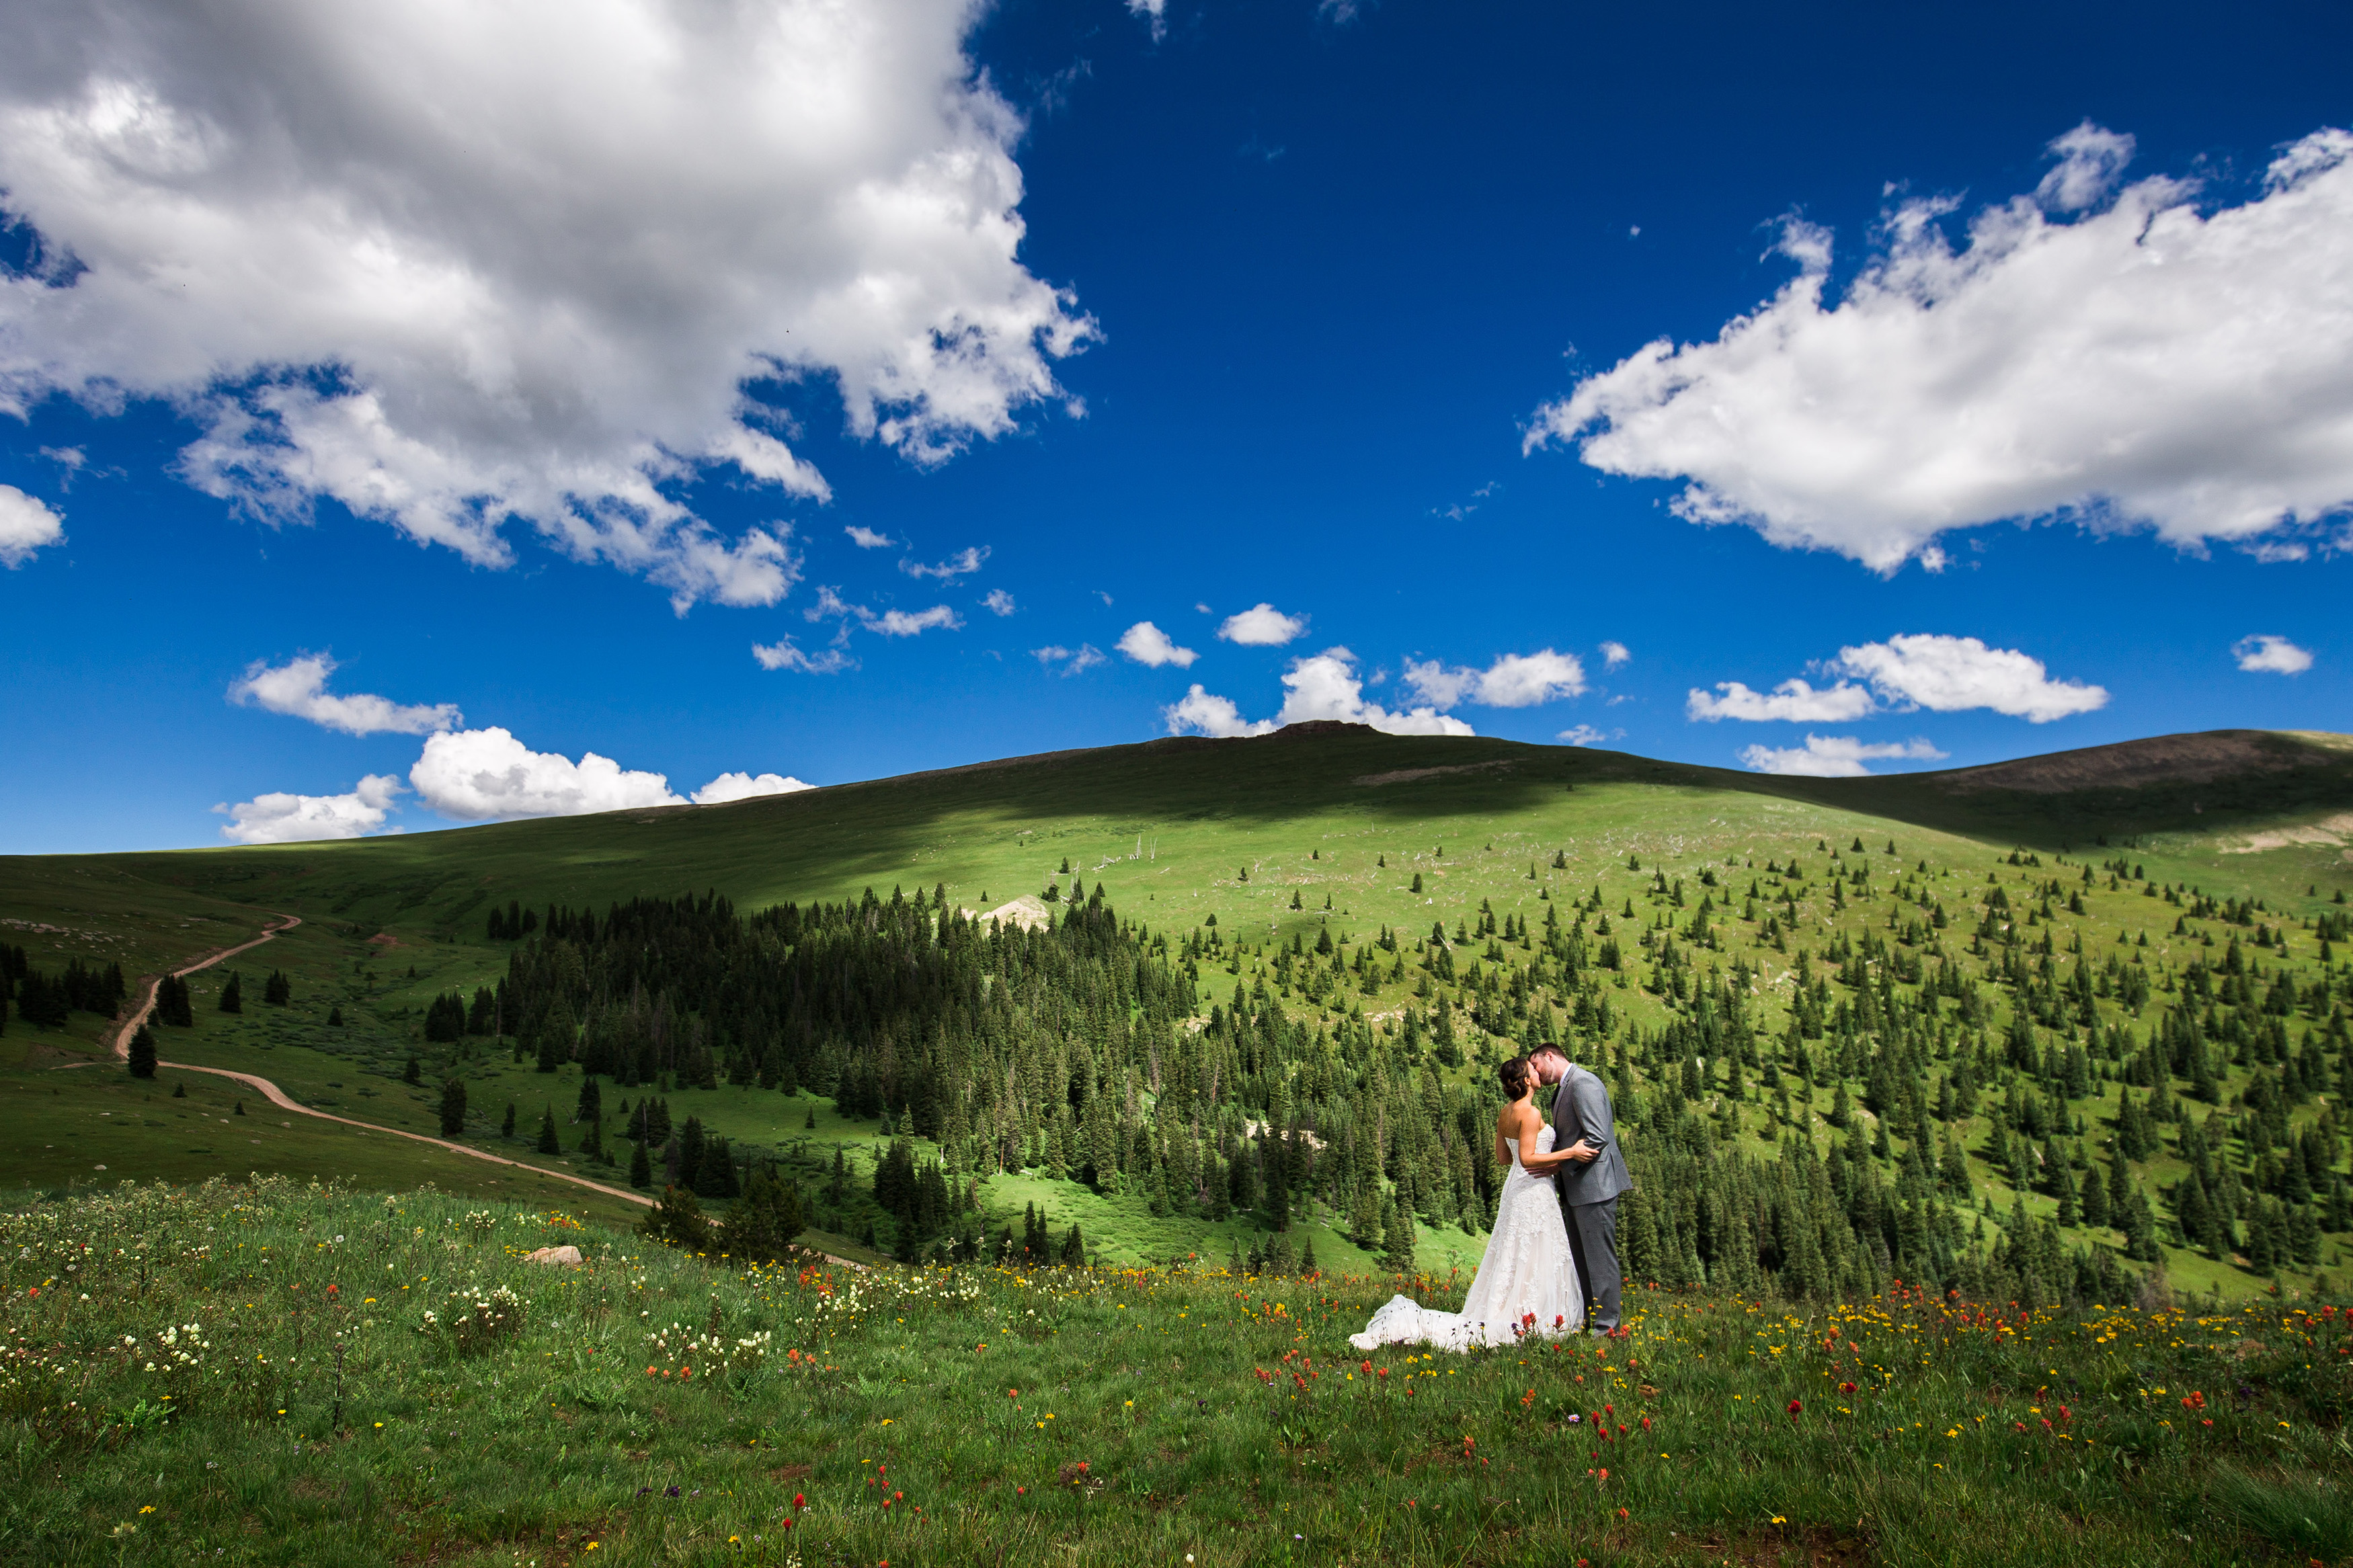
1338 820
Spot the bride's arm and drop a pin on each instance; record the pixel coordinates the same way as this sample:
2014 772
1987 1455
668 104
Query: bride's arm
1541 1162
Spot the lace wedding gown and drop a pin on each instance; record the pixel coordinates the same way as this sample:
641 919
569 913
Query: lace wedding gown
1527 1269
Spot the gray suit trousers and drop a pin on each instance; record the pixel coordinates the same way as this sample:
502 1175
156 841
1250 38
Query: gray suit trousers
1593 1243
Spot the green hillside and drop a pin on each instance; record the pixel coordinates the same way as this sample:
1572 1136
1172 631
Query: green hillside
1806 962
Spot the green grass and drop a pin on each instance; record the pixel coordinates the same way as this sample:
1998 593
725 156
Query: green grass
79 1131
1081 1415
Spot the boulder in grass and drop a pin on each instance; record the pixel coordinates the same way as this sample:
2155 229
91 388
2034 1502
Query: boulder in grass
569 1256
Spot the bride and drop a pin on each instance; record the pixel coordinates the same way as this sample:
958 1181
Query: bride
1527 1272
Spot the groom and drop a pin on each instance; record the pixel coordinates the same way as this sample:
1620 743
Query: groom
1590 1181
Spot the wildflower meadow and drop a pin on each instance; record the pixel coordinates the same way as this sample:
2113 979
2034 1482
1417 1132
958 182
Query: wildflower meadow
282 1373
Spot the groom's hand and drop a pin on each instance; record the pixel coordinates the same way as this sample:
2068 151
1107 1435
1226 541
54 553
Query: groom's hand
1583 1152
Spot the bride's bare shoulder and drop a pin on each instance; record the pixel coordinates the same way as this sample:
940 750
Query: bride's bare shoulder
1514 1120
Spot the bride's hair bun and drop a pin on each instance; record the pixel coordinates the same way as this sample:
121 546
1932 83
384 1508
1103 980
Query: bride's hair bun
1515 1074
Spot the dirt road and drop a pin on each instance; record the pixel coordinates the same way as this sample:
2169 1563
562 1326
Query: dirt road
278 1097
148 986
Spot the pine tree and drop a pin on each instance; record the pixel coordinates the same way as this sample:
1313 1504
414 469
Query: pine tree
1396 1245
453 1107
506 1127
642 1167
2095 1200
414 1072
548 1143
232 996
2140 1229
277 991
675 1220
143 1053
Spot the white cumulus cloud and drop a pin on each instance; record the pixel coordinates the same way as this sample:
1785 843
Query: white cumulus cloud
1202 713
278 817
454 267
2271 655
783 653
743 786
1148 644
1587 735
999 603
1946 674
1833 756
867 539
1317 686
2145 364
1326 686
1513 681
1614 654
1262 626
479 775
1796 702
299 688
1951 674
26 524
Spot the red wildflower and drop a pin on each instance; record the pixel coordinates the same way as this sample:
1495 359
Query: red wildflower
1796 1406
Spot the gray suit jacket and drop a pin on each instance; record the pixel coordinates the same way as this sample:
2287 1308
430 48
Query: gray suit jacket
1580 1108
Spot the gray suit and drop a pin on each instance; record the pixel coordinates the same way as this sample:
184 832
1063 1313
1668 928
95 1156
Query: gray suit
1589 1192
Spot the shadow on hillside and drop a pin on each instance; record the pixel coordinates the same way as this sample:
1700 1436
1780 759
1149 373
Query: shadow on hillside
875 832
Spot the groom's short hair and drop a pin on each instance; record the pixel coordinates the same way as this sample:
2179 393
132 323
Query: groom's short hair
1548 1051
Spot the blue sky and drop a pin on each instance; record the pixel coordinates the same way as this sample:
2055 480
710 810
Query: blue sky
541 407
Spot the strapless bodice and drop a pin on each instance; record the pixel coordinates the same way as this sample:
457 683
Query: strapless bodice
1544 1146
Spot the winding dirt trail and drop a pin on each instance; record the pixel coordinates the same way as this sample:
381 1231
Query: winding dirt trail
148 987
149 984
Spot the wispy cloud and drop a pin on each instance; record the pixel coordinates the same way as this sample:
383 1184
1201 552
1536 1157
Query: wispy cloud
867 539
784 655
831 605
1071 660
299 689
962 564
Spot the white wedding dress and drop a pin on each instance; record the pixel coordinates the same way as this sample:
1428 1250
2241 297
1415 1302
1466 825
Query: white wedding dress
1528 1271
